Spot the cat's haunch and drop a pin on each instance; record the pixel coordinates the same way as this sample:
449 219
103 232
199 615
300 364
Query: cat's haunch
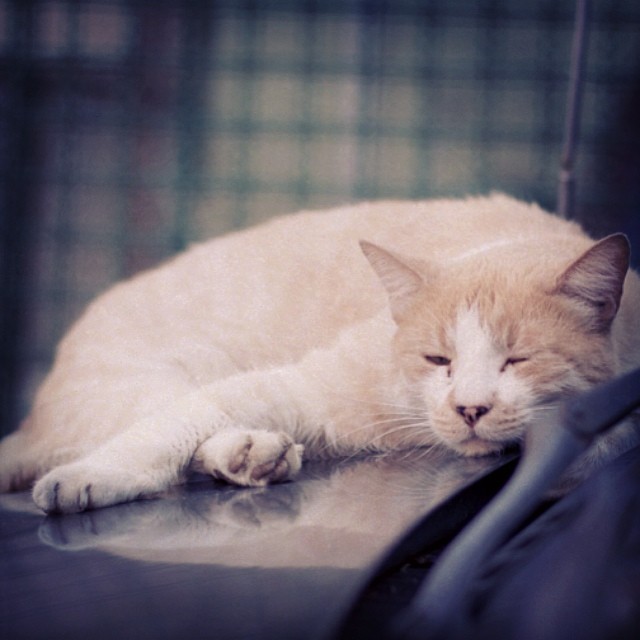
374 327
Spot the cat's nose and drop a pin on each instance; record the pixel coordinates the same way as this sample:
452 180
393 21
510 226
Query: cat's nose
472 415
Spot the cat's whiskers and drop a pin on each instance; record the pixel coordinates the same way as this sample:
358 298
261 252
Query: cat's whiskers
407 429
400 419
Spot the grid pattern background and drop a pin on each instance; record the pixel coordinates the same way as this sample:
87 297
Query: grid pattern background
130 128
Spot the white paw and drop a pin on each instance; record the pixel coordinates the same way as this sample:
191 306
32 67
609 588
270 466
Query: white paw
249 458
80 486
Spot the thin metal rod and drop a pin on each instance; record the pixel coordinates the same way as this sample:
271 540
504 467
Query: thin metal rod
566 178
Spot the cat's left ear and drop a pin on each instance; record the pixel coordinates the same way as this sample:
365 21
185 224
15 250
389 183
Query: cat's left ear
596 280
398 278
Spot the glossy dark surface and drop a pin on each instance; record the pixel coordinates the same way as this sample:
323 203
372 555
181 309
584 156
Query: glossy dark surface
210 561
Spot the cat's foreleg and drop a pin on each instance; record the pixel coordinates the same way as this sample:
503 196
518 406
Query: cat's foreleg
143 460
207 427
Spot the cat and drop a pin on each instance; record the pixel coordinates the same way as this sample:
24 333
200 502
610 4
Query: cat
366 328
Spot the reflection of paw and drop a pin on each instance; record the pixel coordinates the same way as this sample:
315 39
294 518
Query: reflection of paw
259 507
249 458
79 486
76 531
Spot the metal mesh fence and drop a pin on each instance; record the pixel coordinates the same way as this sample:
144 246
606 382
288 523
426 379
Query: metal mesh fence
129 128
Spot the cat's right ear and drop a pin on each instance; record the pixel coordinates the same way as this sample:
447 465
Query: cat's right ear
596 280
400 280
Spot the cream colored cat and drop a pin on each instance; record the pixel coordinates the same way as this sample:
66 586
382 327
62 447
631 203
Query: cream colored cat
233 356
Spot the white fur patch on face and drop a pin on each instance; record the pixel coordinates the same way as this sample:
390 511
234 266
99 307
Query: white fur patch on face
477 363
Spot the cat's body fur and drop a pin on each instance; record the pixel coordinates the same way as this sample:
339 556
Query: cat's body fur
223 358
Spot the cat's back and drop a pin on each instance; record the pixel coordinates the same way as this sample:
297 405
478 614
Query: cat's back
327 242
300 279
432 229
312 259
438 231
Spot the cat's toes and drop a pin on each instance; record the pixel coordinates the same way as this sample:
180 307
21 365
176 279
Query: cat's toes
76 487
55 493
249 458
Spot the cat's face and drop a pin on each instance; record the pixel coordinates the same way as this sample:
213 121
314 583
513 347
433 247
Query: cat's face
482 348
481 370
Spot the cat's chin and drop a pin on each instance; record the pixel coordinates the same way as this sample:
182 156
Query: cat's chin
475 447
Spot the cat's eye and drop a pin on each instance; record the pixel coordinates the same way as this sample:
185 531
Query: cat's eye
439 361
509 362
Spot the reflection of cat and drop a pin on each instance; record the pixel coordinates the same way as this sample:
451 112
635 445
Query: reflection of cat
227 357
341 514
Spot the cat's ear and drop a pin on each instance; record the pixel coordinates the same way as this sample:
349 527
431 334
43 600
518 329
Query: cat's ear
596 280
398 278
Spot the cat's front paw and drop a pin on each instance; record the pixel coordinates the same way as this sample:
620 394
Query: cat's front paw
249 458
79 486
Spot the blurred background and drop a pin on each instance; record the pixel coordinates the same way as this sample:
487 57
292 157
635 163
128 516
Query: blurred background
131 128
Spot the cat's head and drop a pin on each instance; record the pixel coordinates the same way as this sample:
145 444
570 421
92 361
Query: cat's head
484 342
